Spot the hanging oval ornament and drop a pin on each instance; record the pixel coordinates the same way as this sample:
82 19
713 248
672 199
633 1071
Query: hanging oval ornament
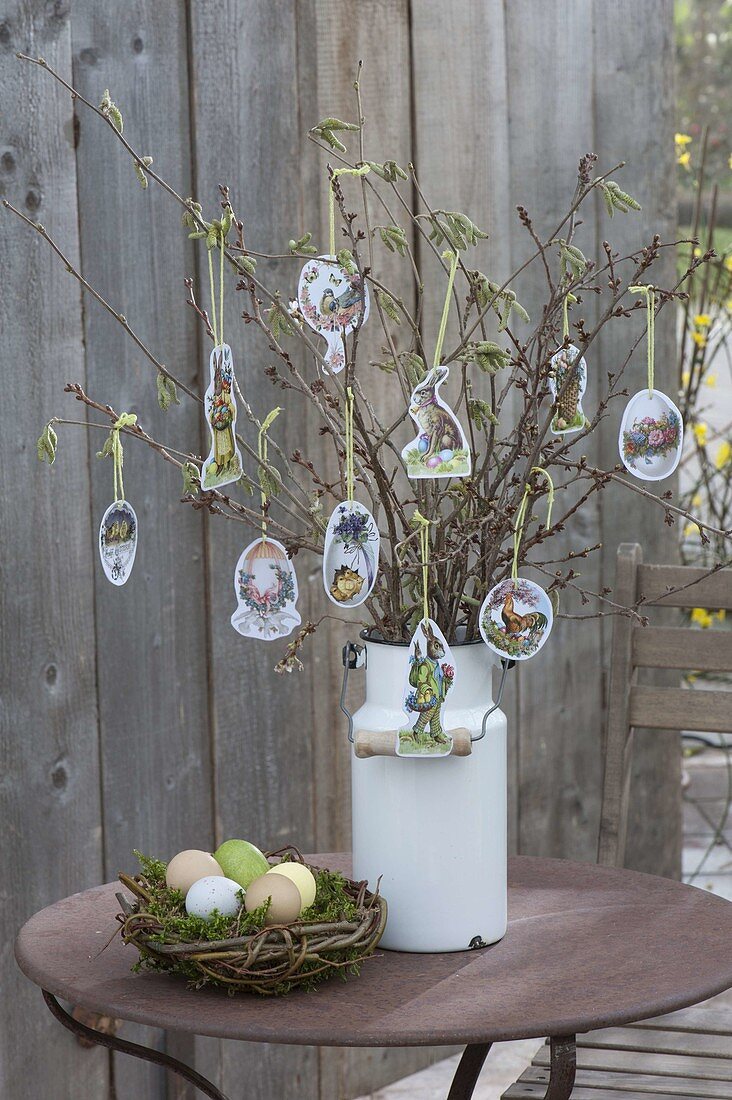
651 436
440 448
350 554
118 541
224 463
429 678
333 302
516 618
265 585
568 376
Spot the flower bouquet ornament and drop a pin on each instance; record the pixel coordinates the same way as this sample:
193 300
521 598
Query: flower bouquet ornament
505 396
651 432
351 545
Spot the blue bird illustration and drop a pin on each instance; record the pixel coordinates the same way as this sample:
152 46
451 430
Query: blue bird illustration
341 309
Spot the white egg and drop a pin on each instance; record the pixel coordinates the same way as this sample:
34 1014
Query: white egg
213 892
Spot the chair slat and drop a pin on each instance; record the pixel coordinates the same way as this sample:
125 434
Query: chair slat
713 592
679 709
681 647
694 1043
660 1065
647 1085
711 1018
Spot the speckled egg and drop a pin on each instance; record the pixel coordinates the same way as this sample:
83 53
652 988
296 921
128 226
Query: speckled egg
447 454
423 443
213 892
432 461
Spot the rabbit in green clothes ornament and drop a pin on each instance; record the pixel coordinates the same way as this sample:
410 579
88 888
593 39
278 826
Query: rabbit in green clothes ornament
431 680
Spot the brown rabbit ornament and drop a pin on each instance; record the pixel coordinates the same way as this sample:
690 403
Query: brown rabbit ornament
430 677
441 447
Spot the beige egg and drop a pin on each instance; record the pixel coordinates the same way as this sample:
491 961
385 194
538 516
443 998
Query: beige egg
286 900
301 875
187 867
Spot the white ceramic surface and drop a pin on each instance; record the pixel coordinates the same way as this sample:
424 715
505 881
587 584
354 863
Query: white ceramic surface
435 831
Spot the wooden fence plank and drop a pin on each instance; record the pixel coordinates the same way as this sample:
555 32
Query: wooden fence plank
245 54
465 167
151 634
633 63
560 710
49 752
376 32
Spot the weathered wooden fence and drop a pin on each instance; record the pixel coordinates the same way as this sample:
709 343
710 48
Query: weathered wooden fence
136 717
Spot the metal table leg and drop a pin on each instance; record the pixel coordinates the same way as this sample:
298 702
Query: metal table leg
137 1051
468 1071
561 1076
563 1067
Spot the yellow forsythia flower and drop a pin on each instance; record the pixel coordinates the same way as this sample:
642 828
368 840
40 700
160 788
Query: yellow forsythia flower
700 431
710 380
696 500
685 377
701 616
702 320
727 262
724 454
684 159
722 614
691 529
682 139
699 339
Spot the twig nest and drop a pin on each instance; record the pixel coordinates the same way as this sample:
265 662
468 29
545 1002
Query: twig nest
285 899
188 867
301 875
213 893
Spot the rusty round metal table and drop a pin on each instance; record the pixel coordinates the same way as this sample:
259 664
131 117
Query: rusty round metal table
586 947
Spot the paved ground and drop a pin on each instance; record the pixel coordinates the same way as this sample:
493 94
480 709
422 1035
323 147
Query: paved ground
707 863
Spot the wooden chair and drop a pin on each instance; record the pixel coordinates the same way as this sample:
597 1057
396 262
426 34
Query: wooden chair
688 1053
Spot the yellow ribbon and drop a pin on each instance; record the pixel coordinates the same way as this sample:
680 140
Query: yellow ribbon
518 528
218 332
362 171
453 258
349 443
424 545
124 421
649 293
262 454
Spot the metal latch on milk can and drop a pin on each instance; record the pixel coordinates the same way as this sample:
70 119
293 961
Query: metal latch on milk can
368 744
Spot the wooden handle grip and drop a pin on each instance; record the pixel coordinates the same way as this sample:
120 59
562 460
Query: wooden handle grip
368 743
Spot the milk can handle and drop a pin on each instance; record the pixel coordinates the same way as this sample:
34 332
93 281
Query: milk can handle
506 666
354 656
